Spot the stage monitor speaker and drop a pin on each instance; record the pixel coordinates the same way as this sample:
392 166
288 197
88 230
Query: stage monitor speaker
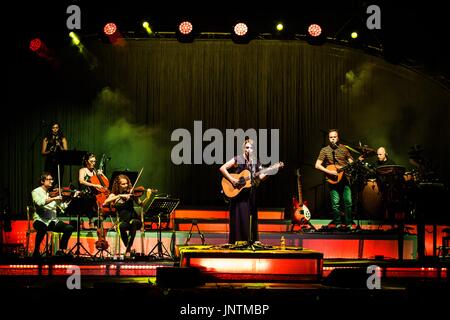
347 278
176 277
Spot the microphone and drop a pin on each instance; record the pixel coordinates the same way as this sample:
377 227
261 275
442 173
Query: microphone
333 145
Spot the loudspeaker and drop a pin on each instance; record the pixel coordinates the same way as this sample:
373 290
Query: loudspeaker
347 278
175 277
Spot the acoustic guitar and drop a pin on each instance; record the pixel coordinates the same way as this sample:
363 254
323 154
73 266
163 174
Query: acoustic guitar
245 180
340 170
301 212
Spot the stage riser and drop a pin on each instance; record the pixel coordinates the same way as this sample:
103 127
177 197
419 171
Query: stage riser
332 246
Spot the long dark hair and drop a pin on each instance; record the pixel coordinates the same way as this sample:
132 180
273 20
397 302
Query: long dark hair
49 135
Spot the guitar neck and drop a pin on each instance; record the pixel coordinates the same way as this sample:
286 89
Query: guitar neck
300 196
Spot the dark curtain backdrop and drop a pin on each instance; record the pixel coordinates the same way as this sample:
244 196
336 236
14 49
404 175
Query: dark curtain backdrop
126 100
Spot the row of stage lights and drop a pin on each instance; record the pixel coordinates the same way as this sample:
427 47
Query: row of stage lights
186 32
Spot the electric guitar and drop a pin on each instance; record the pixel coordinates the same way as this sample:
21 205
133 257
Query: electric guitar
245 180
301 212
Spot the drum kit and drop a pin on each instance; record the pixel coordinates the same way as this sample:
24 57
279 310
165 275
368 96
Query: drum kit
383 192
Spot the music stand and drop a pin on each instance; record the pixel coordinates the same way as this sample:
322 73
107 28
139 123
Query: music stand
69 158
132 175
158 207
77 206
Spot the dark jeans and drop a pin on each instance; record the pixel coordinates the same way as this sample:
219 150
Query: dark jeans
341 193
41 229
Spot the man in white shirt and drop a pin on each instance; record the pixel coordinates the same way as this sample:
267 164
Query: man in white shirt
45 216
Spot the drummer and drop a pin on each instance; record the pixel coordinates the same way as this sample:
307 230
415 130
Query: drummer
383 158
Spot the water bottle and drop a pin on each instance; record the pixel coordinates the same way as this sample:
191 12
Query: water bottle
282 243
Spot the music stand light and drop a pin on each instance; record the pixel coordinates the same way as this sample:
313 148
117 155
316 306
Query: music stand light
158 207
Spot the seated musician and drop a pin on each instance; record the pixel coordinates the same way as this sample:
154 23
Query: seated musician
383 158
90 189
123 199
45 216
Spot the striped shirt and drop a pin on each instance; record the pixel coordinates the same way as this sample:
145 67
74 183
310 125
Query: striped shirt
339 156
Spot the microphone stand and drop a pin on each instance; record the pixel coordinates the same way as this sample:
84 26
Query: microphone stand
31 149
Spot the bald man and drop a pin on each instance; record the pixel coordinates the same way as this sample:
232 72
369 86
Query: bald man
382 158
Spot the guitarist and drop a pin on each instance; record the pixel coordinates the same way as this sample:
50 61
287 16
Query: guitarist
331 158
243 211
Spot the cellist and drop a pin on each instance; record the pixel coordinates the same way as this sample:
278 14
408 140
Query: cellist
123 197
90 181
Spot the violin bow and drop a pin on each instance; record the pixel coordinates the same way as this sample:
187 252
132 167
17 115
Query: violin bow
137 179
59 181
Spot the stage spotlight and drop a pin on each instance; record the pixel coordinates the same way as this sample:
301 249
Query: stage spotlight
147 27
185 31
75 40
36 44
315 34
39 47
281 32
240 33
279 27
111 31
314 30
110 28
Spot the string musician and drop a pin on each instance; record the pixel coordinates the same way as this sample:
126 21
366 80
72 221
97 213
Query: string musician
45 217
90 183
123 197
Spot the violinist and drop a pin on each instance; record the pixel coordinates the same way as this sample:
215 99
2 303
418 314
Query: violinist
86 176
45 216
123 197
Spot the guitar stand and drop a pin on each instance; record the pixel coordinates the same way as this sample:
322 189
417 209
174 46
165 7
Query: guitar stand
202 237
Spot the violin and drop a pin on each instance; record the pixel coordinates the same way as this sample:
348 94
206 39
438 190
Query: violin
65 192
138 191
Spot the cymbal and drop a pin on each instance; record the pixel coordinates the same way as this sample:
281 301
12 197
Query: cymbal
366 151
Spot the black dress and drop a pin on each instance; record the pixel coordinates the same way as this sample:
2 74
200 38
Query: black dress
243 210
54 145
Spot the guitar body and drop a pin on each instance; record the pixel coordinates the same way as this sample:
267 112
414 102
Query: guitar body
334 179
301 214
244 182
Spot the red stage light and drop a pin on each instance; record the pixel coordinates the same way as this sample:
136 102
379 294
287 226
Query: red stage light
35 44
110 28
314 30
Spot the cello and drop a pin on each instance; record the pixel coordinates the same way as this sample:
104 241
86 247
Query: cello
102 194
101 179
